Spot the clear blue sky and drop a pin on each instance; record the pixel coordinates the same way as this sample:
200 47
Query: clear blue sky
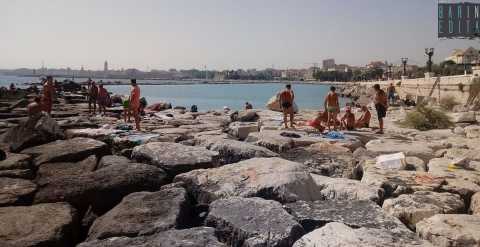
223 34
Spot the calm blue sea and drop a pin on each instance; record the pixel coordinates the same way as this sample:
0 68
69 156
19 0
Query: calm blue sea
211 96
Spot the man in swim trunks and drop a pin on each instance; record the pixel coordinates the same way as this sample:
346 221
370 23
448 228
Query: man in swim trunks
92 97
381 105
134 103
48 94
332 107
286 98
103 98
348 119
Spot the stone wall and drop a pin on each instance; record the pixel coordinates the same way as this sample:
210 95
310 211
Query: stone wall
421 88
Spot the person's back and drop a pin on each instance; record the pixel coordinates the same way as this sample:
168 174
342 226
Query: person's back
35 107
286 96
93 90
135 96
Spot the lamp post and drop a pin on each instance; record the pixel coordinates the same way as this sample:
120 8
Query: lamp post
390 71
404 63
429 53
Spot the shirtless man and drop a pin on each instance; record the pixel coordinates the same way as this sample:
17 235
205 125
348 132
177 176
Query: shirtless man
381 105
364 120
134 103
102 99
348 119
92 97
48 93
286 98
35 107
332 107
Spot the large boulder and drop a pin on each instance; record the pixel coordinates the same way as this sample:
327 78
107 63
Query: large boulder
71 150
462 153
52 171
173 134
50 224
412 208
472 131
395 183
34 131
244 116
104 188
144 213
409 148
16 166
109 160
451 230
256 222
94 133
280 141
347 189
16 191
475 204
459 180
192 237
338 234
269 178
232 151
354 214
175 158
464 117
241 130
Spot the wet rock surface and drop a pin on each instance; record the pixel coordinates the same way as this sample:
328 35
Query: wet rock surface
260 223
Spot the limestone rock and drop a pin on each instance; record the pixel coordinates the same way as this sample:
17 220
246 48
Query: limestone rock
415 164
347 189
242 130
94 133
245 116
257 222
143 213
475 204
451 230
70 150
192 237
464 117
16 191
341 235
16 161
50 224
354 214
19 173
175 158
464 182
52 171
34 131
409 148
415 207
269 178
104 188
459 131
109 160
458 153
232 151
173 134
472 131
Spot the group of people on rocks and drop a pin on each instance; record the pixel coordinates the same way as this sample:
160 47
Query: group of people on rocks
44 102
328 118
97 95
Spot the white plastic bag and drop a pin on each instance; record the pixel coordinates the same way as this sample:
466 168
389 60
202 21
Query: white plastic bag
394 161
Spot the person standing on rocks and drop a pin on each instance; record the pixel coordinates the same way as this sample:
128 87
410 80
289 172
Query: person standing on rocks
332 107
391 93
381 105
92 97
103 98
48 94
134 103
286 98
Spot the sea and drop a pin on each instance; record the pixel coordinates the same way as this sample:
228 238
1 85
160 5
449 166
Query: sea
208 96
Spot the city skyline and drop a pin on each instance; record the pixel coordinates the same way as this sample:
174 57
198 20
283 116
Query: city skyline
222 35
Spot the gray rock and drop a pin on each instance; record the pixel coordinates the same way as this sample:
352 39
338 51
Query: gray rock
269 178
475 204
192 237
24 173
412 208
144 213
459 131
175 158
459 153
353 213
340 235
409 148
472 131
242 130
109 160
71 150
51 171
256 222
245 116
464 117
347 189
94 133
415 164
34 131
278 141
174 134
232 151
15 191
50 224
104 188
451 230
16 162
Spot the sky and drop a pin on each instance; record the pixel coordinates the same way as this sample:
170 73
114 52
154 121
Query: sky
221 34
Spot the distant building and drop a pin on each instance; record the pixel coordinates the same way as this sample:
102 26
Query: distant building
220 76
376 65
105 66
328 64
467 56
342 67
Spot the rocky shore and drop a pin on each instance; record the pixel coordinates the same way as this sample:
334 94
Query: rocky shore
217 179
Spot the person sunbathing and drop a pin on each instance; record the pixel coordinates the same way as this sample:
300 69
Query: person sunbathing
319 121
364 120
348 119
